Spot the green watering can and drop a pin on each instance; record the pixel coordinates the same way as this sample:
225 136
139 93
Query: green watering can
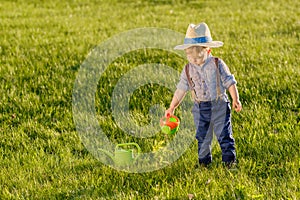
124 156
169 124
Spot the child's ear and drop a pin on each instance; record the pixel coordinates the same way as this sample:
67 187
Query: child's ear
208 51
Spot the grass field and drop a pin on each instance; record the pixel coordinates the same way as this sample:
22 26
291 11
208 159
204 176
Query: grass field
42 46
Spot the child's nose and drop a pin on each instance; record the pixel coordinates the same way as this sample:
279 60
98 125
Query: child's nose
190 57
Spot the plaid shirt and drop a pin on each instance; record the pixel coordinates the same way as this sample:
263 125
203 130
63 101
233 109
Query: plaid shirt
204 80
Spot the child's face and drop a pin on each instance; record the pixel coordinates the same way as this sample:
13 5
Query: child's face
196 55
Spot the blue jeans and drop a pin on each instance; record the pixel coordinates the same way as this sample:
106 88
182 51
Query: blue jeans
209 117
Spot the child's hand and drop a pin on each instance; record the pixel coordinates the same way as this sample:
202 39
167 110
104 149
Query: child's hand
169 112
237 106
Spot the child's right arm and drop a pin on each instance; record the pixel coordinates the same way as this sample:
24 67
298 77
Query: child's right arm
177 98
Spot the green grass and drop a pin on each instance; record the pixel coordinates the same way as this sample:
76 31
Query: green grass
42 45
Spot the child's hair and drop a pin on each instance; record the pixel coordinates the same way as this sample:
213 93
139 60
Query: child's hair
200 50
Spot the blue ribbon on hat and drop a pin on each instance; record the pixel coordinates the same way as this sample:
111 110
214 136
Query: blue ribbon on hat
197 40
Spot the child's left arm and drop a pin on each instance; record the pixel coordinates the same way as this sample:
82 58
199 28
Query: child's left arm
229 83
236 104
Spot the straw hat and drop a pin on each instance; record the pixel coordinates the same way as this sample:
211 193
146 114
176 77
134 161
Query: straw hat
198 35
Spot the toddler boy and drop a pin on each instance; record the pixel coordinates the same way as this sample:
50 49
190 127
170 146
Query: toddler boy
208 78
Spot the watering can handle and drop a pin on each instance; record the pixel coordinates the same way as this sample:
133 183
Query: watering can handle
130 144
164 120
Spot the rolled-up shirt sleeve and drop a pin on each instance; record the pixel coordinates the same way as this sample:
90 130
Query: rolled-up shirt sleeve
183 83
226 77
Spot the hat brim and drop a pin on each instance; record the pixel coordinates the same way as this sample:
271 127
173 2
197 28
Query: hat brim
213 44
